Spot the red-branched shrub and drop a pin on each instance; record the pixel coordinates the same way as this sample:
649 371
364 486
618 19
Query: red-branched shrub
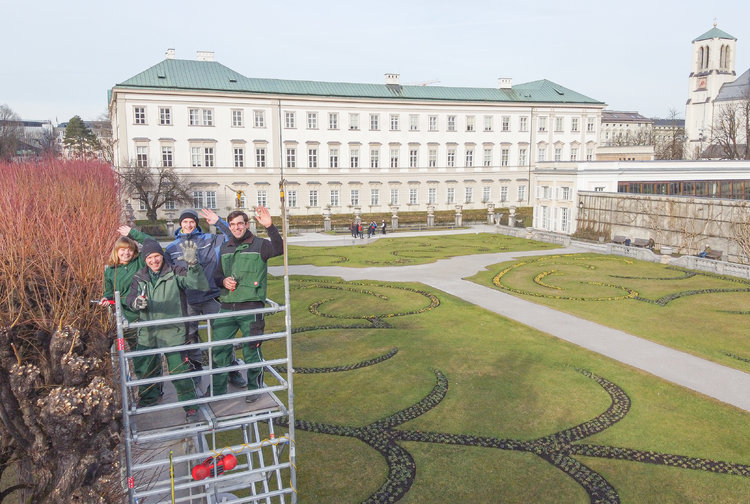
58 406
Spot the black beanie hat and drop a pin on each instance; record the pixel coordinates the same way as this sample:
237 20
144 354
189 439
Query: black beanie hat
188 214
149 247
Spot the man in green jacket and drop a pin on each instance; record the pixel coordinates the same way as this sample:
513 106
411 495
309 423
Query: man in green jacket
158 292
242 274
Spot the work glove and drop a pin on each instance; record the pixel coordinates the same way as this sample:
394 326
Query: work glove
189 253
140 303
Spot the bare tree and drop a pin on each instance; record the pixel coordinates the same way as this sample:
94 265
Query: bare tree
11 132
672 144
155 186
731 129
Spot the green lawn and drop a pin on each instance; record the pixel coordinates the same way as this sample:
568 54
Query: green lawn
700 313
408 251
424 398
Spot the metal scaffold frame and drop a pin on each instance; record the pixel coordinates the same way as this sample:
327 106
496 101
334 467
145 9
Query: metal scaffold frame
232 445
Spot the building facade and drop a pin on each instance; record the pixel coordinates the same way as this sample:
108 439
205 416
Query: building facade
344 147
625 136
712 66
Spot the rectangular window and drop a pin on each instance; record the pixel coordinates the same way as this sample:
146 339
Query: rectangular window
169 205
198 199
208 156
167 157
469 158
259 118
312 157
521 193
488 123
374 158
238 118
196 157
374 196
211 199
451 195
470 123
394 196
541 154
565 220
505 123
354 197
451 158
431 195
139 113
208 117
374 122
412 158
354 122
432 158
165 116
469 194
590 125
558 154
394 122
545 217
262 198
260 157
354 158
565 193
334 197
394 157
574 124
432 123
487 161
523 123
291 199
485 194
333 120
333 157
290 120
413 122
239 157
504 157
194 118
451 123
312 120
291 157
313 198
413 192
504 193
542 123
574 154
141 156
558 123
522 157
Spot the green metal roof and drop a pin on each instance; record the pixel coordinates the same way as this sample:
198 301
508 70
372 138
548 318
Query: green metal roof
213 76
715 33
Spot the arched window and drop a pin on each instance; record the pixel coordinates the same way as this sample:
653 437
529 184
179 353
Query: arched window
700 60
707 57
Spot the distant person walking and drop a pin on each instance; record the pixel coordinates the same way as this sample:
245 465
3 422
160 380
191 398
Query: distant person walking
382 226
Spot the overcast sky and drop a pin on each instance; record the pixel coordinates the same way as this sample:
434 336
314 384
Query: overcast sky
60 58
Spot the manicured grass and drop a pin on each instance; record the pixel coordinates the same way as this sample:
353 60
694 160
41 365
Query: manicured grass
406 251
508 387
703 314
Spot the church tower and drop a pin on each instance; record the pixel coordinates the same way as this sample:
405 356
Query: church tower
712 66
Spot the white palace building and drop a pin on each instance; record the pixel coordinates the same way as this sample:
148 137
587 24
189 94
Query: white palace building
345 147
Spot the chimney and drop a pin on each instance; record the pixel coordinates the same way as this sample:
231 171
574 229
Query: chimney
170 54
504 83
391 78
205 55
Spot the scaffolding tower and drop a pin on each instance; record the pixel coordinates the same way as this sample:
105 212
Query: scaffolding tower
231 451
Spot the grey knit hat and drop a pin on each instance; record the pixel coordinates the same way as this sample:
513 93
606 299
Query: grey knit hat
150 247
188 214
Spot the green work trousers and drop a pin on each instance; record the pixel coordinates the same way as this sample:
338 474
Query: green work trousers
226 328
149 366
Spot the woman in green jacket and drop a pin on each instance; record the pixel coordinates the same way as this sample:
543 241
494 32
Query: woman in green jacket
123 262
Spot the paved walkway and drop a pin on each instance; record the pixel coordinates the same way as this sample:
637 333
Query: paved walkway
714 380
